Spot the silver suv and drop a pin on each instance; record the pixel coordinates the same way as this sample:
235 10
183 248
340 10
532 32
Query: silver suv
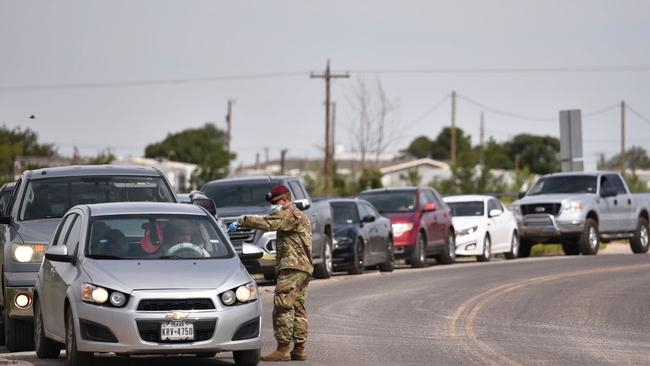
145 278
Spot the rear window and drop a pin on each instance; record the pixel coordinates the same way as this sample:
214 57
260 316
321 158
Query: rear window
52 198
387 202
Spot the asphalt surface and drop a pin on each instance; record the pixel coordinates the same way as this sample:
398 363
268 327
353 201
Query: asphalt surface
539 311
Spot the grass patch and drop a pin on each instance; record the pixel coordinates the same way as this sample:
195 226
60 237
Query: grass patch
540 250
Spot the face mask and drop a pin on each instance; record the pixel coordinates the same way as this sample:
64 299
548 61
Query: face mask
276 207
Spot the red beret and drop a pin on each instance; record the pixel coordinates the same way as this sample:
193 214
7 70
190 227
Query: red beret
276 192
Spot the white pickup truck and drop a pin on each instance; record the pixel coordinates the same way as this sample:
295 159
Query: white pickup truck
578 210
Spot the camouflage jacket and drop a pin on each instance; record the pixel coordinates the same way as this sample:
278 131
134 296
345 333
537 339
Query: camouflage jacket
293 242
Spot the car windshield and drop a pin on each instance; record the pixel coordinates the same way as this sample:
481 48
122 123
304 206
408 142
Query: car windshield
52 198
565 184
239 194
345 213
156 237
472 208
403 201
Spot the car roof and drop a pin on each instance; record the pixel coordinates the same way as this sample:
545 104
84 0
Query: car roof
589 173
387 190
343 200
252 179
467 198
82 170
131 208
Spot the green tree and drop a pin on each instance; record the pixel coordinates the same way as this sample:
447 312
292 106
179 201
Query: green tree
470 175
412 177
636 157
204 146
369 179
104 157
537 153
18 142
420 147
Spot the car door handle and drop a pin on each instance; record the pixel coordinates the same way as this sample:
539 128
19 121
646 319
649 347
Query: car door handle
629 201
615 202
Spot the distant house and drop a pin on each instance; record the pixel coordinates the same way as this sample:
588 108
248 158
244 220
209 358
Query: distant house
426 170
22 163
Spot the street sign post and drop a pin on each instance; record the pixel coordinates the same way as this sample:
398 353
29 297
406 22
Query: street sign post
571 140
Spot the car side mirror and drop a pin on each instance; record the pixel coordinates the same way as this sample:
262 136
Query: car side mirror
429 207
608 192
495 213
5 220
302 204
205 202
521 195
58 253
250 252
368 218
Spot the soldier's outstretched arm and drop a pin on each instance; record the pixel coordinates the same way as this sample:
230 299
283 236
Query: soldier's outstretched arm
272 222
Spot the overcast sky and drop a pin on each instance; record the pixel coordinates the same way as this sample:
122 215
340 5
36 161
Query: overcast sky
48 44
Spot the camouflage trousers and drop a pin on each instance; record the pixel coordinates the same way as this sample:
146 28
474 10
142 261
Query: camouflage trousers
289 313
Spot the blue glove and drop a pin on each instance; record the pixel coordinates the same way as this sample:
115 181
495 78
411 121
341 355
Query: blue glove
234 226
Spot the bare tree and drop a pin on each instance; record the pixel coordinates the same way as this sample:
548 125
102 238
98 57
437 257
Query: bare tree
373 120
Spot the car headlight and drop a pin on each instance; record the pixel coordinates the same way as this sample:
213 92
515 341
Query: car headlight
101 296
240 295
572 206
28 253
469 230
401 228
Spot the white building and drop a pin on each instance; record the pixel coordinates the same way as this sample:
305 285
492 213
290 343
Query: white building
427 170
178 173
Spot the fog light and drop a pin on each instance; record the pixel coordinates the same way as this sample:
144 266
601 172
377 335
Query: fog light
23 300
470 247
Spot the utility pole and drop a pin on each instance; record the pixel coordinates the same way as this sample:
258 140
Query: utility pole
333 136
257 161
482 130
266 156
328 163
453 128
622 162
283 154
229 124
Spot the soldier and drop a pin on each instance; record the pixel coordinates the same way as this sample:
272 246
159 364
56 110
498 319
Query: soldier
294 268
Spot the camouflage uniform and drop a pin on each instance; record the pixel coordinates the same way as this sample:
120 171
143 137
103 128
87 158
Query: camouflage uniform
294 266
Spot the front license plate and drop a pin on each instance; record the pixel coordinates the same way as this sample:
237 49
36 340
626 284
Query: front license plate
176 331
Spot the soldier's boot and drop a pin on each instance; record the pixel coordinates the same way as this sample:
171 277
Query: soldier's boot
280 354
298 353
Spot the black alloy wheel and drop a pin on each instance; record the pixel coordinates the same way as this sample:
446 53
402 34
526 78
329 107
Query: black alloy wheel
389 264
358 264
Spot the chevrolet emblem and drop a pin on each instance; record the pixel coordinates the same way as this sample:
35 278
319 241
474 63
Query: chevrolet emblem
176 315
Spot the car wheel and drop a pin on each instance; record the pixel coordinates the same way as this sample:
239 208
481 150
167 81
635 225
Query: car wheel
524 248
448 255
247 358
514 247
358 259
487 250
419 256
270 276
19 335
389 265
639 242
324 268
45 347
570 248
588 241
73 357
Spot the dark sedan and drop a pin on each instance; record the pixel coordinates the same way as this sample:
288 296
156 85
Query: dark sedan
362 237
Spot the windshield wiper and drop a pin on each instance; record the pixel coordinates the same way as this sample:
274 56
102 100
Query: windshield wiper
105 256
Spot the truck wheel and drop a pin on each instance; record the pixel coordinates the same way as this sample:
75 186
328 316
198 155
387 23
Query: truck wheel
389 265
419 256
487 250
514 247
45 347
524 248
570 248
247 358
269 276
358 259
324 268
639 242
448 255
588 240
19 335
74 357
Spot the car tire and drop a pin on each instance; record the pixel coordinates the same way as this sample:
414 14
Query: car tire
19 335
570 248
389 265
44 347
448 255
358 264
419 255
524 248
270 276
247 358
639 243
487 250
514 247
324 268
73 357
588 242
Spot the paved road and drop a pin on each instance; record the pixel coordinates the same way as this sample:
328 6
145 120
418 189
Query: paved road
540 311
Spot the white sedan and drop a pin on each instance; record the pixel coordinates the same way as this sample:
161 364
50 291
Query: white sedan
483 227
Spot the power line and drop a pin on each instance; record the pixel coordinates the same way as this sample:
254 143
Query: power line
497 70
638 114
505 113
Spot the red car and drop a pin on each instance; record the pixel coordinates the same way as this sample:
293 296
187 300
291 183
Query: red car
421 223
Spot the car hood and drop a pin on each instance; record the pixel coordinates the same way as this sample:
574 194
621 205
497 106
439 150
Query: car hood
399 216
554 198
36 231
129 275
464 222
243 210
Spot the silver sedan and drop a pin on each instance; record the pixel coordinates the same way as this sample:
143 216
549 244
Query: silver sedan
145 278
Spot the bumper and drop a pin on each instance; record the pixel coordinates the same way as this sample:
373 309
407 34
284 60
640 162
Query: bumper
342 255
405 243
469 245
549 226
129 326
19 283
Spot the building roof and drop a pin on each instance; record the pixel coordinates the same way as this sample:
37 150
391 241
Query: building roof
408 165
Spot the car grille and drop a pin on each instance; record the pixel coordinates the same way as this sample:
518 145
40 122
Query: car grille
541 208
150 331
175 304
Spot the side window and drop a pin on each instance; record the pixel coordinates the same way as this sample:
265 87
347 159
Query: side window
64 227
371 209
74 235
494 205
298 194
431 197
423 199
363 211
12 198
604 183
616 181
